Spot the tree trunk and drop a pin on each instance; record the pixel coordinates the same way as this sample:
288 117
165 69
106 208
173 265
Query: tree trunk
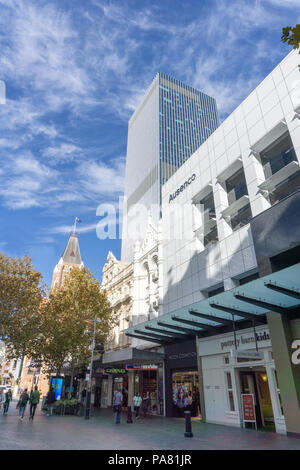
71 382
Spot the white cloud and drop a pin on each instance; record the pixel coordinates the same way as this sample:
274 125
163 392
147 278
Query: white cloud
68 228
63 153
99 179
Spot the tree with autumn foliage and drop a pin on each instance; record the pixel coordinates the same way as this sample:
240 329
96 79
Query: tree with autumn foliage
65 334
21 294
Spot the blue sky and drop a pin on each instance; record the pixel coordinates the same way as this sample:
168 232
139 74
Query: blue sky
74 73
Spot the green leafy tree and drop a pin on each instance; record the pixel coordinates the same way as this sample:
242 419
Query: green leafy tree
65 334
291 36
21 294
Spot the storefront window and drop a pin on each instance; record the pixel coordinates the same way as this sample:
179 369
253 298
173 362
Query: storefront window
230 391
150 385
186 392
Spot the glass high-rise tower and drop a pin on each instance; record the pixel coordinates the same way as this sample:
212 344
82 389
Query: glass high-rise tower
172 121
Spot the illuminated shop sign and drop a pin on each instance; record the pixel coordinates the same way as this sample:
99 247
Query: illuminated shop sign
115 371
56 384
182 187
141 367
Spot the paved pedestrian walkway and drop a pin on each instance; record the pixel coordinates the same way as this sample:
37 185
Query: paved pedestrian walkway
154 433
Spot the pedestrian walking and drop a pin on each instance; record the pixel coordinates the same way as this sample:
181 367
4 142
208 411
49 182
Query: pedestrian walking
8 398
22 404
1 399
50 400
118 399
34 401
82 395
146 404
137 399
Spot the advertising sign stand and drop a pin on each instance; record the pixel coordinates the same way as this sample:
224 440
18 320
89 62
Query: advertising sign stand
249 415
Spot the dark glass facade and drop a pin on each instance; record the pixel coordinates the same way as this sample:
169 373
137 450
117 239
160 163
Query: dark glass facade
187 118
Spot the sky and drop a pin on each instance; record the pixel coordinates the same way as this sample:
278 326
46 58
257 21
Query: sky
75 72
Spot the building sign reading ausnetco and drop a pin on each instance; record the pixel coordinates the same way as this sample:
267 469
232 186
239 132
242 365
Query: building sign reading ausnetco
182 187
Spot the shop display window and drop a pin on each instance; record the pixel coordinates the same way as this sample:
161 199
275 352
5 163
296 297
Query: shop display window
186 392
230 391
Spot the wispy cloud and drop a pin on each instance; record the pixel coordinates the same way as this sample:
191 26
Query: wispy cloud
75 74
64 229
102 179
62 153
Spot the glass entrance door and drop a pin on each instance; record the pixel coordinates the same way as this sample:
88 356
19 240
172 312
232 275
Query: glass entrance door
256 382
265 399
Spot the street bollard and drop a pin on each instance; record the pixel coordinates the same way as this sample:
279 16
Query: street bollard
188 424
129 415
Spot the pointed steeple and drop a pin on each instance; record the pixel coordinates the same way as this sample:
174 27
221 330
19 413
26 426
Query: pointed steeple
71 257
71 254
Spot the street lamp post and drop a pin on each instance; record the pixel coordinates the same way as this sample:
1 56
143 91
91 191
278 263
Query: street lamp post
89 384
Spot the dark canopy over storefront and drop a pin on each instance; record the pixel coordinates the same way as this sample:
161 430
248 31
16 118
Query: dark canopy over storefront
130 356
245 305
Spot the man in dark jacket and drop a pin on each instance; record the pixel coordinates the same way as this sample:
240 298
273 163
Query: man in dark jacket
34 401
50 399
22 403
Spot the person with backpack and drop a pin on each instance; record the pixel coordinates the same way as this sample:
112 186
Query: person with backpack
22 404
34 401
50 400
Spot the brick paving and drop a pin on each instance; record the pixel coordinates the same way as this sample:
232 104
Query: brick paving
154 433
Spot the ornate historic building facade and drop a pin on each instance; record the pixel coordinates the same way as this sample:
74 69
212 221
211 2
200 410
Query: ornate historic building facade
117 281
135 290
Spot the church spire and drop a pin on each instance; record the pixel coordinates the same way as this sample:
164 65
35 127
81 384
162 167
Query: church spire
71 254
71 257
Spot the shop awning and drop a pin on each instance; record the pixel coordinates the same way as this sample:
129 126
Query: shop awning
278 292
129 356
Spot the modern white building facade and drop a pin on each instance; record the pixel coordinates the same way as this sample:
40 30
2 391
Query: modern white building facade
194 263
229 241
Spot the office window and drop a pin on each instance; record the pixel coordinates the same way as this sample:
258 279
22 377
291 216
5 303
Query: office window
249 278
280 157
230 392
207 232
236 188
216 291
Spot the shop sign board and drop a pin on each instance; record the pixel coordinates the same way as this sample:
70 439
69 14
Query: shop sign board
114 370
141 367
247 354
56 385
248 408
